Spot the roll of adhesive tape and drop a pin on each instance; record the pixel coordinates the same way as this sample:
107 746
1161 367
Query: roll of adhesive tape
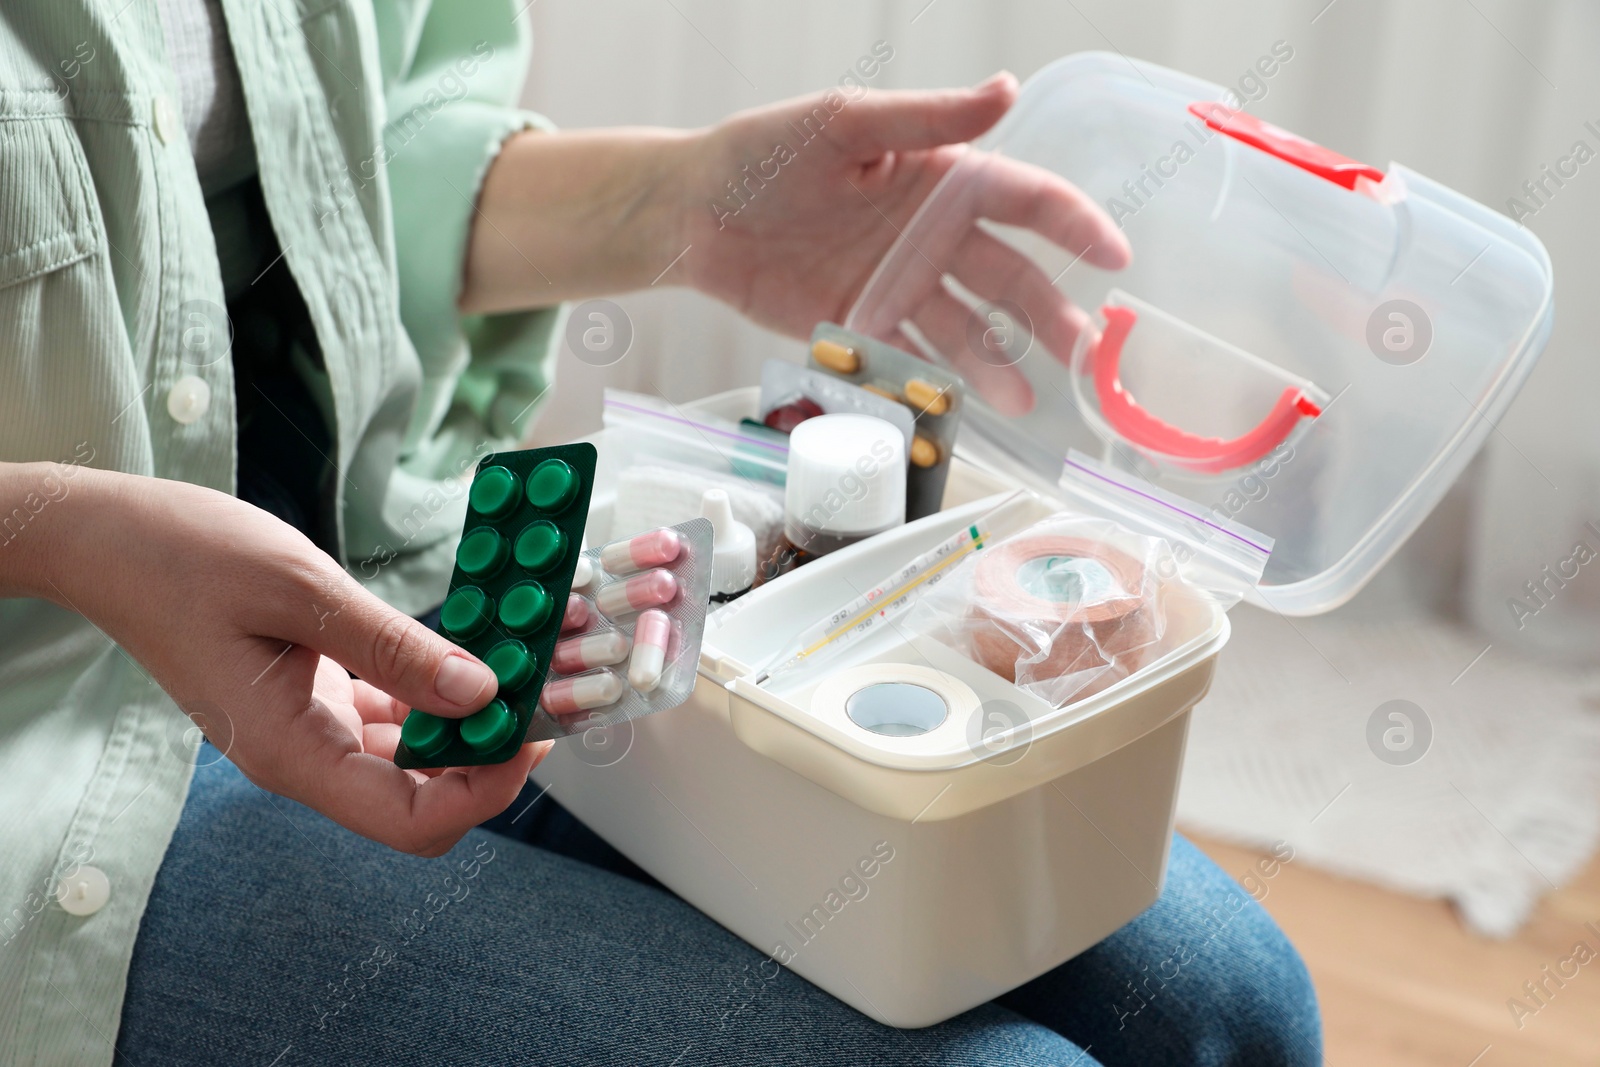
894 699
1088 598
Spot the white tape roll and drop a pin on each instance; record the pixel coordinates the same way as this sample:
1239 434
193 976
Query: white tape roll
893 700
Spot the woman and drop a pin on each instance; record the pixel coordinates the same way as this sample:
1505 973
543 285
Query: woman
271 277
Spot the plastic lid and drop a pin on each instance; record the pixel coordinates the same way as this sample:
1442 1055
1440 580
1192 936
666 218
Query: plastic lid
733 545
846 475
1303 344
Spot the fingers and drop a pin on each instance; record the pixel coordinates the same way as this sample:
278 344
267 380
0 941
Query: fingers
1020 194
891 120
1006 190
1012 193
376 706
381 719
996 271
338 759
365 792
952 328
390 649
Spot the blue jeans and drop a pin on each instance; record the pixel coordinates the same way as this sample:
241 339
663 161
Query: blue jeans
274 937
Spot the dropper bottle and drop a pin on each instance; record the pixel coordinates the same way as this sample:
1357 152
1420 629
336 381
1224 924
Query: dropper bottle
733 548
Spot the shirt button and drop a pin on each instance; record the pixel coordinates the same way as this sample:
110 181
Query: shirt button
189 399
166 118
84 891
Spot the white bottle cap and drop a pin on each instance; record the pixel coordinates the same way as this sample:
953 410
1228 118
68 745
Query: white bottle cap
846 477
733 545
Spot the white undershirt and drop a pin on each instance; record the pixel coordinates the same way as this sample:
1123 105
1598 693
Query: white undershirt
209 94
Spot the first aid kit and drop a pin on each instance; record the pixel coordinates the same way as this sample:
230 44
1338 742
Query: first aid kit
942 759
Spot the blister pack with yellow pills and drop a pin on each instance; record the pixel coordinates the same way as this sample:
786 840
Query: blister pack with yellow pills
933 394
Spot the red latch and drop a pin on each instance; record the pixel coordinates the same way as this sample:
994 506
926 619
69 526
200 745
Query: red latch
1291 148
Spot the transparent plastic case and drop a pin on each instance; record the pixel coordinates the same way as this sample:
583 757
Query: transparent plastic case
1405 315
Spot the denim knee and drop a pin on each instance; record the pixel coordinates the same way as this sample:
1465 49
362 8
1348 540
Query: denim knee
1230 989
1204 977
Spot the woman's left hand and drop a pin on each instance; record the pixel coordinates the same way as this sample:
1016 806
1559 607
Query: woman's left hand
783 211
791 206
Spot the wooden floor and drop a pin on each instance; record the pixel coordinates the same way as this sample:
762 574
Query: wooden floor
1401 981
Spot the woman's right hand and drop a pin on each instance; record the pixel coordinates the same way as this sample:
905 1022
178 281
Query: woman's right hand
250 628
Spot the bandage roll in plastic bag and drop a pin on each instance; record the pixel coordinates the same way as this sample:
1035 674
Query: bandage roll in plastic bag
1064 609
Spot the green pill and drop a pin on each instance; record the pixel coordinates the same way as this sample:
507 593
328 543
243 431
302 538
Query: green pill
482 552
494 492
540 547
552 485
487 730
512 663
525 608
465 612
426 735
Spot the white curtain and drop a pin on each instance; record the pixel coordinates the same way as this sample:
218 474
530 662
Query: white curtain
1478 94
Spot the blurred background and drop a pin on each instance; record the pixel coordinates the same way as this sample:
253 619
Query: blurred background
1426 891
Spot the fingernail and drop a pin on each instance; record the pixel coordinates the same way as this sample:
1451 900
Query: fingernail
991 81
462 681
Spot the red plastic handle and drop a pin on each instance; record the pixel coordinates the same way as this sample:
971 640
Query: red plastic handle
1208 454
1289 147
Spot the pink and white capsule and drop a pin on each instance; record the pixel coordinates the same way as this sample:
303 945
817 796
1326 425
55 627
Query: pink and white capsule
650 549
577 616
650 636
582 575
578 654
648 590
583 693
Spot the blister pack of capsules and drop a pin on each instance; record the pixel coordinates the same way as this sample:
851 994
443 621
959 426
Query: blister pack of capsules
630 638
932 394
526 511
790 394
512 602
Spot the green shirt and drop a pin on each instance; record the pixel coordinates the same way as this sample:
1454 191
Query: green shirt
373 126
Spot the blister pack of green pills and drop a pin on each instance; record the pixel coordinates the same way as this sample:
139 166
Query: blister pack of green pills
522 542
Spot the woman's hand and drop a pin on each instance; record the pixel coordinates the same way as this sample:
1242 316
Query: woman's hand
789 230
250 627
784 211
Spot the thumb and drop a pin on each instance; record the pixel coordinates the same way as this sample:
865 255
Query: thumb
398 654
903 120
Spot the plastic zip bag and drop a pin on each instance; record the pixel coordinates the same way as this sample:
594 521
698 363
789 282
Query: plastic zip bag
1080 600
665 432
1209 551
